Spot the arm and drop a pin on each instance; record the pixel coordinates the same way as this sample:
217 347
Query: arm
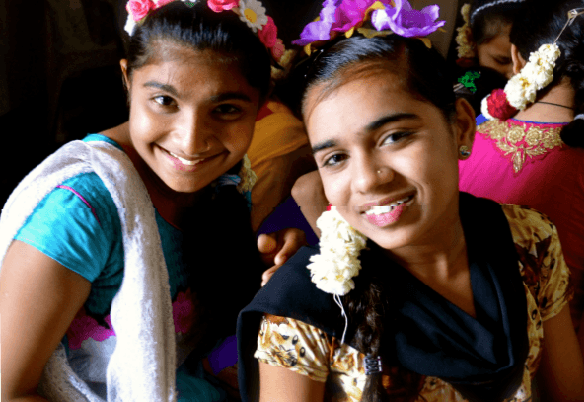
280 384
561 373
308 193
38 300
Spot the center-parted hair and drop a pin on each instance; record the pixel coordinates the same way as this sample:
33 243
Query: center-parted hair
199 28
424 71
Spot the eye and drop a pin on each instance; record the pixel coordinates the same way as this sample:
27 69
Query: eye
334 160
503 61
227 109
390 139
164 100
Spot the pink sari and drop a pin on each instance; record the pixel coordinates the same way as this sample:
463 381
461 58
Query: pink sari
526 163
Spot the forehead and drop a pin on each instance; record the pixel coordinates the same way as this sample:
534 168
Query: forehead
189 69
355 104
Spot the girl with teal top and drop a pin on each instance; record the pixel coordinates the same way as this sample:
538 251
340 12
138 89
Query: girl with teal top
129 253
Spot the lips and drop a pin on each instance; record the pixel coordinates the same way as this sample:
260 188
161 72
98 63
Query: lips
390 201
187 165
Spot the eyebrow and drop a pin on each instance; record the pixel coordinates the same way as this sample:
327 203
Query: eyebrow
215 99
165 87
374 125
231 96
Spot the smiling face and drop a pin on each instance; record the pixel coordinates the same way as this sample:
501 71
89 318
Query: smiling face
377 145
192 117
496 53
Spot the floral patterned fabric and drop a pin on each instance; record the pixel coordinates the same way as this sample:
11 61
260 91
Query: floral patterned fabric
526 163
309 351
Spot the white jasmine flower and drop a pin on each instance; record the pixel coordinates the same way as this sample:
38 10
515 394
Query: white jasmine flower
338 262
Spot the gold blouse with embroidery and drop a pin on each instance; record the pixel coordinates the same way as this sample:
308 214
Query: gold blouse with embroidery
310 351
519 140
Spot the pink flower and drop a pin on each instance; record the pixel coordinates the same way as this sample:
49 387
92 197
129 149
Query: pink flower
499 107
182 310
278 49
138 9
350 13
269 33
221 5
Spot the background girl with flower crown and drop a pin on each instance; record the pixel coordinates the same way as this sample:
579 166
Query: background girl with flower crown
416 291
114 270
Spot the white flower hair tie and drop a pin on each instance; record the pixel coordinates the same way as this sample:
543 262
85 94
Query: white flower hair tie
522 88
338 262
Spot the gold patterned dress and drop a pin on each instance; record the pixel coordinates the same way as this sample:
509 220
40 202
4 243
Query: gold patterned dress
526 163
307 350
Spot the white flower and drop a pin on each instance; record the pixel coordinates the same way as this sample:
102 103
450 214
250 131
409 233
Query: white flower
485 108
253 14
534 76
130 25
338 262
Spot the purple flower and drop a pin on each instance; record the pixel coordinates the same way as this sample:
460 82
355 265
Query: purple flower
407 22
319 30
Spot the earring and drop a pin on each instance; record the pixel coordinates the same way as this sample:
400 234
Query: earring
379 172
464 151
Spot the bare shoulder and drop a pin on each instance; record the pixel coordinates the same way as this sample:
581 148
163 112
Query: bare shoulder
38 301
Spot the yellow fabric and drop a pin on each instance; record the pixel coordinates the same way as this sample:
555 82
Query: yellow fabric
307 350
276 137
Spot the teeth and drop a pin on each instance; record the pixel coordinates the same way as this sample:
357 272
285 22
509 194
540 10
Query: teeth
378 210
184 161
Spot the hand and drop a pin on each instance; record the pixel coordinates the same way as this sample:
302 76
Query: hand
275 248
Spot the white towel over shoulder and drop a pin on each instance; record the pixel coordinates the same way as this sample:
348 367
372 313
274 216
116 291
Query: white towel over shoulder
143 364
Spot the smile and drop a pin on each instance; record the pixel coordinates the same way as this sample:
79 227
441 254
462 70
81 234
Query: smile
186 165
387 214
185 161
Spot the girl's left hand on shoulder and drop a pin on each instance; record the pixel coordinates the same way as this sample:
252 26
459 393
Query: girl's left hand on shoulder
276 248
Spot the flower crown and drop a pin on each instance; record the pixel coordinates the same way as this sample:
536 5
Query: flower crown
521 89
249 11
370 18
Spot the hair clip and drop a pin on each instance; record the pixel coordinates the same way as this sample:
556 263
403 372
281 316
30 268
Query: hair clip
373 365
572 14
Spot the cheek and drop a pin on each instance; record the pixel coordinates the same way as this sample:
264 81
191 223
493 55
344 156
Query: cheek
237 137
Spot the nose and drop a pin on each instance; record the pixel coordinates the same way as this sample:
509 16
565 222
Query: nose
195 134
368 176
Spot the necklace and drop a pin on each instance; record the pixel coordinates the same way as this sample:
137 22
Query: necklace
555 104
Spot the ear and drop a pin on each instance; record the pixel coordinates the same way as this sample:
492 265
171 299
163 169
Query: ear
518 61
124 67
465 125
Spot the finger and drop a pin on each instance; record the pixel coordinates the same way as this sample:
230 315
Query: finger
267 243
268 274
293 240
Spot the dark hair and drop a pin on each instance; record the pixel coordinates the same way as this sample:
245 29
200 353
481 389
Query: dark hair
219 246
542 23
200 28
426 75
489 22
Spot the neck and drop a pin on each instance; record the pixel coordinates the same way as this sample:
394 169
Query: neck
562 94
439 257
